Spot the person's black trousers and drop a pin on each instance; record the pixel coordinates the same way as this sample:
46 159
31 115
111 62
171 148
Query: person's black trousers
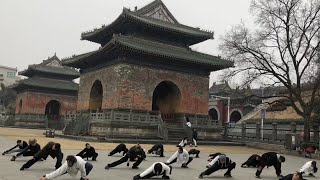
31 162
93 155
125 159
215 167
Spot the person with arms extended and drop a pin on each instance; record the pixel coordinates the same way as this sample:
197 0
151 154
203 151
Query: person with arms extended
53 149
156 169
219 162
309 168
72 165
181 157
134 153
30 150
21 145
270 159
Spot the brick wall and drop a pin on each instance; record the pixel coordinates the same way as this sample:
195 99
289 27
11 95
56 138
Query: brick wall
132 86
35 103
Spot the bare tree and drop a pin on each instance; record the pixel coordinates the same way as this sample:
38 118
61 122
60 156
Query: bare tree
281 49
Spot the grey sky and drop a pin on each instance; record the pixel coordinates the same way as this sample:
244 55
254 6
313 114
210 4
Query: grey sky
32 30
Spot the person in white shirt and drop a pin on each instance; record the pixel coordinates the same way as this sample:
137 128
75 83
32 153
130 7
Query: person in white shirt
219 162
183 143
309 167
156 169
181 157
188 122
72 165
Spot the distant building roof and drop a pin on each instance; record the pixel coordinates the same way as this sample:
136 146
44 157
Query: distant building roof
10 68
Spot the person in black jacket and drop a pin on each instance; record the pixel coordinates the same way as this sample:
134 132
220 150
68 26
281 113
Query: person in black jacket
296 176
253 161
194 138
88 152
53 149
30 150
219 162
270 159
135 152
21 145
194 152
121 147
156 149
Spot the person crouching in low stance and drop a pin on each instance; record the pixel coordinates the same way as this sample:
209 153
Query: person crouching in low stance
156 169
219 162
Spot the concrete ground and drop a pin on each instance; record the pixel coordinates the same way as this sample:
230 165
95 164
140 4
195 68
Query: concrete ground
10 170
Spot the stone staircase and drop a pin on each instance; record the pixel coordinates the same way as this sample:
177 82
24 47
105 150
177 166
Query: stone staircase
176 134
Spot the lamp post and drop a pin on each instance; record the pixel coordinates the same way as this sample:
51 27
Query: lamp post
223 97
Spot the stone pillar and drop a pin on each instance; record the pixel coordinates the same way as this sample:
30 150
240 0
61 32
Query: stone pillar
315 133
243 130
274 131
225 134
293 127
258 131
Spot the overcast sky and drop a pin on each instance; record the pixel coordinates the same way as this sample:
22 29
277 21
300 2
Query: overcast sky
32 30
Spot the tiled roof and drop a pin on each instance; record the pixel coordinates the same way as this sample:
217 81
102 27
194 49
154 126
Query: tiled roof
49 83
153 48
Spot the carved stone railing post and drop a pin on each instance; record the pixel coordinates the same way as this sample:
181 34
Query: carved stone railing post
243 130
316 133
225 133
293 127
274 131
258 131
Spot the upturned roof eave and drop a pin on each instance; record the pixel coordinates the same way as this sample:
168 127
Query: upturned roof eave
129 16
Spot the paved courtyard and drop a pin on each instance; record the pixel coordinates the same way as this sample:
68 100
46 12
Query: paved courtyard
10 170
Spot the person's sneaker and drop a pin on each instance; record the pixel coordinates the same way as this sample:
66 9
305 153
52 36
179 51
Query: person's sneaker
135 167
22 168
165 177
94 159
162 156
13 158
197 156
280 176
107 167
136 177
311 175
3 154
201 176
258 177
227 175
184 166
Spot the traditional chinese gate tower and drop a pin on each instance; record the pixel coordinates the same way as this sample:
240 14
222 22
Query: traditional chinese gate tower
145 64
46 95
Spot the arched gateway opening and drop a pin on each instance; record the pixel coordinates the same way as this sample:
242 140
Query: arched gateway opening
96 95
53 114
213 114
166 99
235 116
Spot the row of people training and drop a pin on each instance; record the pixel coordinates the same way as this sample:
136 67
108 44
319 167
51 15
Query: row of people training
137 154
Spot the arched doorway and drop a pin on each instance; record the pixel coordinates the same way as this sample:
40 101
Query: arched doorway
96 94
20 107
53 114
166 98
213 114
235 116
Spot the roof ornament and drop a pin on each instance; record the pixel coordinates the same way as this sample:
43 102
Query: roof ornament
135 8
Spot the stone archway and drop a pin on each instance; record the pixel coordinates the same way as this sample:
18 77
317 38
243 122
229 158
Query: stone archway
96 95
20 106
52 112
235 116
166 98
213 114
